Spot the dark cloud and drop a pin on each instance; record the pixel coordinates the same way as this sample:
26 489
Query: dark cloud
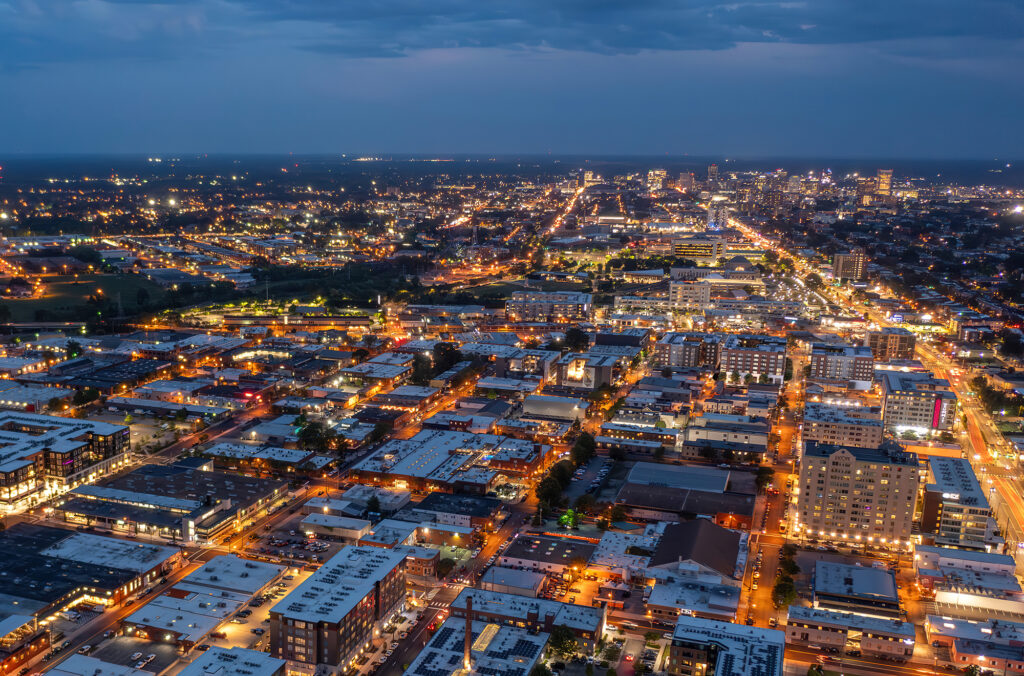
34 31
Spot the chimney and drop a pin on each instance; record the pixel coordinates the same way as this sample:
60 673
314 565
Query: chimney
467 655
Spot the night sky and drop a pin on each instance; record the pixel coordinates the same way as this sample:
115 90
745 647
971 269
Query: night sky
823 78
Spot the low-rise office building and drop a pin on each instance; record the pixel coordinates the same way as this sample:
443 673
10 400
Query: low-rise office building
858 589
836 630
540 615
956 511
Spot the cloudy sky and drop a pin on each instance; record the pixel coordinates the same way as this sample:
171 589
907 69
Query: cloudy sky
823 78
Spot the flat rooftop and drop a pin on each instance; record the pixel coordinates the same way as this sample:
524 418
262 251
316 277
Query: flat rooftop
582 618
544 549
840 619
856 582
334 590
495 650
233 661
681 477
743 650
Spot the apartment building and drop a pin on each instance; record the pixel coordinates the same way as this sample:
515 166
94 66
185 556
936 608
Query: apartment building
917 402
857 495
956 510
846 363
891 343
331 617
689 295
852 265
843 425
536 306
754 355
687 350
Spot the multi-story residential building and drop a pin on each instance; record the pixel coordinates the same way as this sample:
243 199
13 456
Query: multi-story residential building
917 402
331 617
844 363
702 647
843 425
42 455
956 510
857 495
754 355
891 343
687 350
537 306
689 295
851 265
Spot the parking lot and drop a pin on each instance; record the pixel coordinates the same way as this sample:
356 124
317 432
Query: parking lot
129 651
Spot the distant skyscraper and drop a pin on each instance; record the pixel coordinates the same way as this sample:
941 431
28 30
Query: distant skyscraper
794 184
883 182
713 173
718 215
686 181
656 179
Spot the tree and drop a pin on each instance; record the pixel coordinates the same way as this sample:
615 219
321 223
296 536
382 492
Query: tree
445 566
666 372
618 513
128 419
55 403
789 567
764 477
380 431
445 357
576 340
540 670
549 491
422 371
585 503
73 349
583 450
373 504
784 592
141 296
562 641
316 436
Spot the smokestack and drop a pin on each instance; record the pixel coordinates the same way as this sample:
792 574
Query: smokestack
467 655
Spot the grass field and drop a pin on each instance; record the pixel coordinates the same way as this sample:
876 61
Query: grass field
65 295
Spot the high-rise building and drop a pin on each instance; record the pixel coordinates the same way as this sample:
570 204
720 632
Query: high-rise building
845 425
955 509
857 495
883 182
713 173
917 402
891 343
843 363
685 181
851 265
718 214
656 179
793 185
